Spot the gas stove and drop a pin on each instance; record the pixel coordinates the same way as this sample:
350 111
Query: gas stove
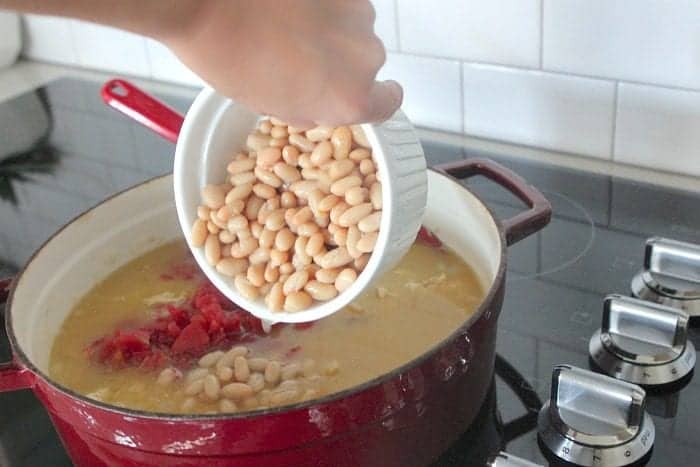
566 321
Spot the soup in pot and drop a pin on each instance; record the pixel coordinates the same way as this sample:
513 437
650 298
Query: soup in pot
155 335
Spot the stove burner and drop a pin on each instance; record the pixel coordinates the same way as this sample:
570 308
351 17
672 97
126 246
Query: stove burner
579 250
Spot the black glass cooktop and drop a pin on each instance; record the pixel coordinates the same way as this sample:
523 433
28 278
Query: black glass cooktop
62 151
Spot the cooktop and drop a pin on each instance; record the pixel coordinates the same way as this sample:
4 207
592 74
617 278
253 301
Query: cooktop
63 151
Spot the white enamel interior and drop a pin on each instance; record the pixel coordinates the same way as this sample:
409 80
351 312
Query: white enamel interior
142 218
216 128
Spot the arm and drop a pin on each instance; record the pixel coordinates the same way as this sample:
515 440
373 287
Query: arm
147 17
305 61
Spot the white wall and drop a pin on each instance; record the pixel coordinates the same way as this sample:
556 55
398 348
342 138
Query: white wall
609 79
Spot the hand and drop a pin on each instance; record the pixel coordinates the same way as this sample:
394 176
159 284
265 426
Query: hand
306 62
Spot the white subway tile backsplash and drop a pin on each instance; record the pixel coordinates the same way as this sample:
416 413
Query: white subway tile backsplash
49 39
385 23
658 128
432 90
495 31
110 49
448 57
165 66
557 112
652 41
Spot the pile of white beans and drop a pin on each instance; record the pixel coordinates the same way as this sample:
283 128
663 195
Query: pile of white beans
297 219
237 381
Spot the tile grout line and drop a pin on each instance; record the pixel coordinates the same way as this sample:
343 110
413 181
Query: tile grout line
397 29
462 94
542 34
511 67
616 103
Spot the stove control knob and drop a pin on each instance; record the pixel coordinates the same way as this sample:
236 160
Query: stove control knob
503 459
642 342
671 275
594 420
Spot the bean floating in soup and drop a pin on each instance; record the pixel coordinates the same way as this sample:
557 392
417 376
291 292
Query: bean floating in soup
155 335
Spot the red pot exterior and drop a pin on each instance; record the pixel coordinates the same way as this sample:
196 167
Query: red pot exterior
407 420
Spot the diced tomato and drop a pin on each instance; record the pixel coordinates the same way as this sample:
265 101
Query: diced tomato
306 325
232 323
132 341
193 338
293 350
429 238
154 360
208 320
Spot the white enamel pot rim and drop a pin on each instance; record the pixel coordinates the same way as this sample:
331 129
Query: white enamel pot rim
52 281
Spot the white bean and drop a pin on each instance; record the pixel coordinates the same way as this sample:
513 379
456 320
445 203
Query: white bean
354 214
367 242
320 291
224 373
232 266
370 223
275 298
319 133
358 135
240 369
245 288
227 406
199 233
268 177
211 387
212 249
296 282
167 376
272 372
268 156
195 387
297 301
375 195
237 391
301 142
339 187
256 382
210 359
341 139
327 276
213 196
241 166
345 279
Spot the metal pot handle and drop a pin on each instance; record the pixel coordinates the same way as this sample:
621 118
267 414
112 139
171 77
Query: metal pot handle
12 375
522 224
145 109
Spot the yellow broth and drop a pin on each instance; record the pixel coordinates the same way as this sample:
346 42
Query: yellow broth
413 307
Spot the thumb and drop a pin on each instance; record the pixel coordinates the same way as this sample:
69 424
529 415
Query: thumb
385 98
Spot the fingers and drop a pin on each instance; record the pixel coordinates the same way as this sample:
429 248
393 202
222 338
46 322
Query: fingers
385 98
375 105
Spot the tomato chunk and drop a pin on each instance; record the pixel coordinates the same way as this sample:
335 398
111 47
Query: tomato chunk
429 238
180 333
191 339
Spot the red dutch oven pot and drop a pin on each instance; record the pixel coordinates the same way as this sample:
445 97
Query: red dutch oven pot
405 417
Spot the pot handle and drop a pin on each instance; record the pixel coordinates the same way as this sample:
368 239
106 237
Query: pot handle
12 376
522 224
145 109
